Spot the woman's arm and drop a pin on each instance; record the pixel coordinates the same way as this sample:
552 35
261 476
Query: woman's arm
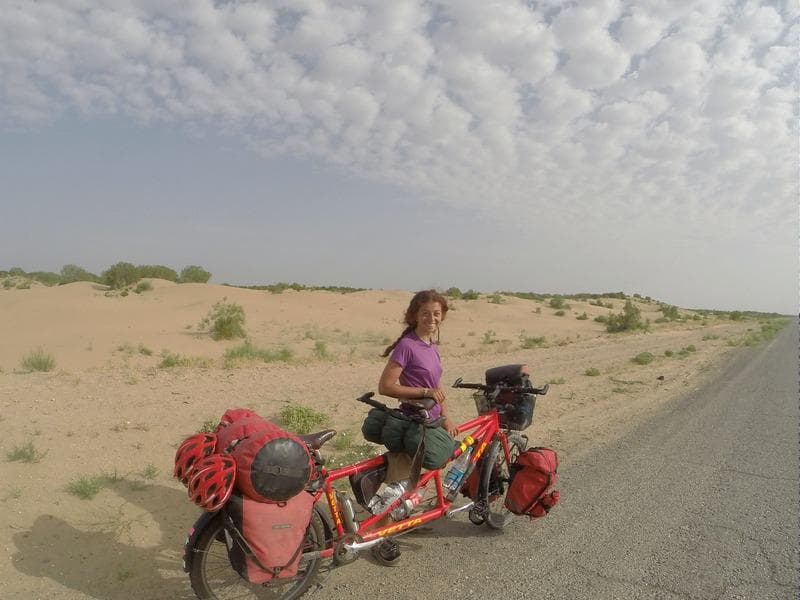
389 384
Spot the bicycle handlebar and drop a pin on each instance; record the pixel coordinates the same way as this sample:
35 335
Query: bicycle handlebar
516 389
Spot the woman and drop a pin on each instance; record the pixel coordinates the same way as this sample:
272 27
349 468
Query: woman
413 372
414 369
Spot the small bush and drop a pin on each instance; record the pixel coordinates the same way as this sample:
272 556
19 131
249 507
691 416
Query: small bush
557 381
592 372
143 286
321 350
170 360
582 317
194 274
668 353
225 321
120 275
559 313
670 312
601 319
489 337
470 295
38 360
73 273
27 453
157 272
248 352
150 471
301 419
208 426
144 350
559 303
710 336
85 487
643 358
495 299
528 342
629 319
453 293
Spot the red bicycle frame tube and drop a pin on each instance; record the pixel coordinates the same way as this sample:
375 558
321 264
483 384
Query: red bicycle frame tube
483 430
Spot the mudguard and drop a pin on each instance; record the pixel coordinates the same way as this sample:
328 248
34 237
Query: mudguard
191 538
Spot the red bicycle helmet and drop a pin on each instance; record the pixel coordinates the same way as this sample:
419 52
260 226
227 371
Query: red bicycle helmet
212 482
193 449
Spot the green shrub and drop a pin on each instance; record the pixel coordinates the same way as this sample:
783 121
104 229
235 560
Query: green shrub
736 315
26 453
170 360
559 313
668 353
194 274
601 319
85 487
157 272
225 321
454 293
582 317
643 358
321 350
120 275
670 312
301 419
470 295
248 352
495 299
38 360
143 286
558 302
528 342
73 273
208 426
150 471
629 319
592 372
45 277
489 337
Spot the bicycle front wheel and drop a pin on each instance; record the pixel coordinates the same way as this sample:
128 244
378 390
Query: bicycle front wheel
213 578
495 478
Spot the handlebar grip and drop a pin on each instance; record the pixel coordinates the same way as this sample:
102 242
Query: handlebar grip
367 399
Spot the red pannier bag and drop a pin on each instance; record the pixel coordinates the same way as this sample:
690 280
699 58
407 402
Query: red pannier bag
265 539
533 476
272 465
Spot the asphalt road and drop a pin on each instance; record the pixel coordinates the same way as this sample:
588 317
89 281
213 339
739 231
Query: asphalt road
699 502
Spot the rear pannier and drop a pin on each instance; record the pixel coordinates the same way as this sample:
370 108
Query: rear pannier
534 474
265 540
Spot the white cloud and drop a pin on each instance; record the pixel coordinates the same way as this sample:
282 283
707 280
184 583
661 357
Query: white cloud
471 102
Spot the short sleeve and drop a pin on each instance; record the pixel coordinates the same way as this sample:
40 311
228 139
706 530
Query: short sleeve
401 353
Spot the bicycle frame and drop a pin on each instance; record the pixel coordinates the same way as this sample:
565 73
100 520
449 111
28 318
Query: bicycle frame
483 428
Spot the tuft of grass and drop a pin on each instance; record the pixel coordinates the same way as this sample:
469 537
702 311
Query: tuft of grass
559 313
582 317
668 353
558 381
301 419
38 360
592 372
495 299
225 321
170 360
150 471
489 337
208 426
27 453
247 352
710 336
144 350
85 487
321 350
343 441
643 358
528 342
143 286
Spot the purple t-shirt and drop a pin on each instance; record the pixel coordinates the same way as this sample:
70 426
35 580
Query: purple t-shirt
421 364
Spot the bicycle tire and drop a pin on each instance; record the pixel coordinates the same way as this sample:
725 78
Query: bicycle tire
495 477
213 578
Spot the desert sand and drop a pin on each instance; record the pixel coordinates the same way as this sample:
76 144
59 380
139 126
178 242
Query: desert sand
108 411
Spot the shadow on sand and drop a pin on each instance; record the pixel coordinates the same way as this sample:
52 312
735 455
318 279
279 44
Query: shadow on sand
104 562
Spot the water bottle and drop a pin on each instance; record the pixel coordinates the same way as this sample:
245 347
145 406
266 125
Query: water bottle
390 493
456 475
406 506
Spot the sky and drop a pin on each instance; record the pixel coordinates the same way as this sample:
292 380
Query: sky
644 146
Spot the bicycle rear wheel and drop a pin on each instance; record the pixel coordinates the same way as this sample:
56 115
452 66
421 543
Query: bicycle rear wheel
495 478
213 578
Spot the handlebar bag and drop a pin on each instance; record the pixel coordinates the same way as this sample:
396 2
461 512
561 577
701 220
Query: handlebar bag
271 463
265 540
534 474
